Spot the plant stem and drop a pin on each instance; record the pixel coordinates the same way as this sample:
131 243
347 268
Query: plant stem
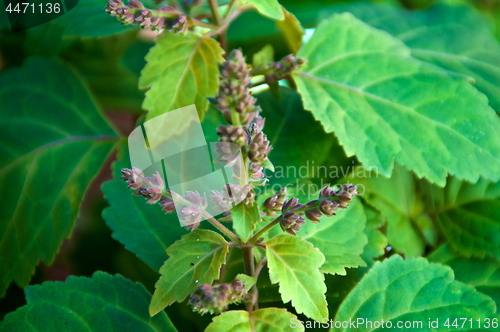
250 271
207 216
175 4
273 223
203 24
224 26
214 8
221 227
231 4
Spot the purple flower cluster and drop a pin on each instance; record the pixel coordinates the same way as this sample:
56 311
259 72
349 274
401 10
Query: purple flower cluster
165 18
215 299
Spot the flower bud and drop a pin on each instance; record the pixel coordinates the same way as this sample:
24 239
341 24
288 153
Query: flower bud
291 223
290 204
314 215
232 134
167 205
329 208
258 148
215 299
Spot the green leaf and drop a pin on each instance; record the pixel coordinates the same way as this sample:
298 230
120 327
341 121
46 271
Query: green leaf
339 238
111 66
397 199
292 30
262 58
396 108
87 19
377 241
295 263
412 290
296 160
193 261
247 280
468 215
100 303
268 319
267 164
269 8
54 142
432 37
483 274
244 219
142 228
180 71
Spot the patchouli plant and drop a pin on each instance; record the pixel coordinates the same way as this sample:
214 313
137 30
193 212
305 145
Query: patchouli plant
358 143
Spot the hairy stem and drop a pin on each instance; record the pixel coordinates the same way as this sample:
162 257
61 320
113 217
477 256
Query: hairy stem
223 229
203 24
250 271
214 8
222 28
230 7
273 223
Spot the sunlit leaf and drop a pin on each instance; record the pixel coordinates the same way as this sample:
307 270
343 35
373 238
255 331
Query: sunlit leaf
396 108
269 8
268 319
413 291
292 30
432 37
180 71
245 217
294 263
339 238
193 261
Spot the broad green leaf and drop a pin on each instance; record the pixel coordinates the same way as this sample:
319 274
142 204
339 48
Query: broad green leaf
397 108
101 303
292 30
269 8
251 31
193 261
483 274
339 238
295 263
244 219
432 37
111 66
142 228
54 141
268 319
339 286
412 290
297 160
377 241
468 215
397 199
86 19
180 71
